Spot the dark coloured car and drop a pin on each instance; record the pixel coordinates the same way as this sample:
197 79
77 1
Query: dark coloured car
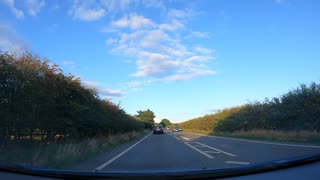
176 129
158 130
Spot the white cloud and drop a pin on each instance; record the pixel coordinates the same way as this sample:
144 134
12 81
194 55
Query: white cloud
104 92
203 50
189 74
132 21
154 64
153 38
182 14
174 25
18 13
91 84
34 6
70 64
111 93
86 10
197 34
158 48
115 5
153 3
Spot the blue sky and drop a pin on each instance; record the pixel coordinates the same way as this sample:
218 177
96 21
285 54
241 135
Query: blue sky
181 59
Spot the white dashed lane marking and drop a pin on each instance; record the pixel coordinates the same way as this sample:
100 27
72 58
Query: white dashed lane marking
202 152
229 154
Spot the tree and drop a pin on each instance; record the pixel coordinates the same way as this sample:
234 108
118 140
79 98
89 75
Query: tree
147 117
165 122
38 100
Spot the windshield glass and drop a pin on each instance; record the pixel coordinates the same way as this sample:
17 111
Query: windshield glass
107 85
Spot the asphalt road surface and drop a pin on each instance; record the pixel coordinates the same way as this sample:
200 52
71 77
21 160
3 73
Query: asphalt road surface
179 151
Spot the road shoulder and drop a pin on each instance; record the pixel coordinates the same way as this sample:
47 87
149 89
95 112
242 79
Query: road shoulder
95 162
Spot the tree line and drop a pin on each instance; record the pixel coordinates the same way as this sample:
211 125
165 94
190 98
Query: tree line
39 102
297 110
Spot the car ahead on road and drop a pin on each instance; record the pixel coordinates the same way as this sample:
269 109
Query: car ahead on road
158 129
176 129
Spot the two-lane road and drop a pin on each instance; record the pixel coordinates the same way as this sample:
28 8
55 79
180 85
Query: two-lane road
186 151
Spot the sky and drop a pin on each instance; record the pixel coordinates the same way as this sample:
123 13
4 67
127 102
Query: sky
180 59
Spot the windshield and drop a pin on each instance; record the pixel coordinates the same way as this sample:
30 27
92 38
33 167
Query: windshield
107 85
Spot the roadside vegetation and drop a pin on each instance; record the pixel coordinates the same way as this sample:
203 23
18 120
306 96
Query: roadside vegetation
49 118
64 155
292 117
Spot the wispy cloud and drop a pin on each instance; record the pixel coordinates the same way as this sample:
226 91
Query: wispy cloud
111 93
17 12
197 34
134 83
91 84
158 47
34 6
70 64
153 3
116 5
180 14
86 10
104 92
132 21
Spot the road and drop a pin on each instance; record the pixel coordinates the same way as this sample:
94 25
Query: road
174 151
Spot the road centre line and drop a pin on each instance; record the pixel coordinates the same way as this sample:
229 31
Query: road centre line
216 149
237 162
255 141
216 152
174 137
198 146
119 155
205 154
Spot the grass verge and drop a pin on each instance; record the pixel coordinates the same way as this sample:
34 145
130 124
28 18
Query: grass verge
305 137
62 155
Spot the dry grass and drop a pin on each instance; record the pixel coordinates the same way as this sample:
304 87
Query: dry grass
306 137
62 155
198 131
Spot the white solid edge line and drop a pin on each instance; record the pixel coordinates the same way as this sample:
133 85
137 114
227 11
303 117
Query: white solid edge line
119 155
262 142
209 156
216 149
237 162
